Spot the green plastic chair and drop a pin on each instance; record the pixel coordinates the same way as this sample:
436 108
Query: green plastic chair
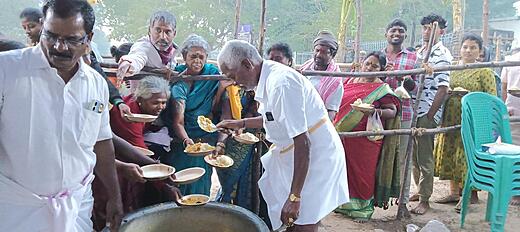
484 118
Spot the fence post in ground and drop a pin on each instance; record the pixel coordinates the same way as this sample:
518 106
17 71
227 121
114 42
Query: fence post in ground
402 211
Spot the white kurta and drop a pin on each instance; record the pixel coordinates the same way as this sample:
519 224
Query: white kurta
143 53
295 106
48 129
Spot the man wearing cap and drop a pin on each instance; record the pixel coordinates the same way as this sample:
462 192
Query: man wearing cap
329 88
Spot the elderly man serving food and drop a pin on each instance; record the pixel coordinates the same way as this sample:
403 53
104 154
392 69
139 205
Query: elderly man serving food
305 141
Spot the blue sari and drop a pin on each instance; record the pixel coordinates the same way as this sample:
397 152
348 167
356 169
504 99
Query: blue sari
236 181
198 101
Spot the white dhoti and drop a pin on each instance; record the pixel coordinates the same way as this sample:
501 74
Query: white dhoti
69 210
325 186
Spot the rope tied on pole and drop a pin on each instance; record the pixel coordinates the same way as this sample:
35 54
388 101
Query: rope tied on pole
417 132
427 68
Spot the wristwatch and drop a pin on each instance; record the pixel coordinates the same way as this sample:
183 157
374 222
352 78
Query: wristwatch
294 198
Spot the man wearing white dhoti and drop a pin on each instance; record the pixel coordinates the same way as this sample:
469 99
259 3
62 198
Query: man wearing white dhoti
305 174
54 128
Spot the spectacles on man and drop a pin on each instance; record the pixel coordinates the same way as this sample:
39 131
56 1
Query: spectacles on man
69 42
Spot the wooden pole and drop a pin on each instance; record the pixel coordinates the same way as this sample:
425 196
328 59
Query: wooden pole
262 29
417 71
498 44
111 69
457 15
238 3
413 132
346 5
402 211
256 173
357 45
485 22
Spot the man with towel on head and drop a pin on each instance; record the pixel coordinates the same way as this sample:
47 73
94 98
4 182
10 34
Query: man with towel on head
305 174
329 88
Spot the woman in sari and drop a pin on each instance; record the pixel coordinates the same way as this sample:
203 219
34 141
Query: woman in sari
449 151
149 98
190 99
372 168
236 181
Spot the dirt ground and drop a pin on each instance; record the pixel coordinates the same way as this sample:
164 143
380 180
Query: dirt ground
384 220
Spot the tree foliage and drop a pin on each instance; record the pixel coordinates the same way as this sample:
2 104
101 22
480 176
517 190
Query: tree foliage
293 21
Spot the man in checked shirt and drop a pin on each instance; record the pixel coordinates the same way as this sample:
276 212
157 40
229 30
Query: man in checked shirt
398 58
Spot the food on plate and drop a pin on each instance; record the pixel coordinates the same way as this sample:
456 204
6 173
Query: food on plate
206 124
248 137
460 89
199 147
359 103
222 161
194 199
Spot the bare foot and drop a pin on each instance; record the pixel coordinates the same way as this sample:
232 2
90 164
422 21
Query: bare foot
448 199
421 208
515 201
474 197
414 197
360 220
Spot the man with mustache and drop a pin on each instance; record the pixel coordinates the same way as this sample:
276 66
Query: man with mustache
155 50
31 20
54 128
329 88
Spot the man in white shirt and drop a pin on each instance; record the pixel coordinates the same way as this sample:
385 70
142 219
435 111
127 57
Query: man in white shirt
155 50
307 160
430 110
54 128
330 89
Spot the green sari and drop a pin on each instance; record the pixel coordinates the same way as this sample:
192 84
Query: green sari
372 166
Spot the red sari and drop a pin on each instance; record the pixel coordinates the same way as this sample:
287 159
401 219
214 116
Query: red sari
132 193
362 155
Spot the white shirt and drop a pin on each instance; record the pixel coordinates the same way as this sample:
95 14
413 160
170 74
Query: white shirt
511 76
143 53
439 56
47 132
290 106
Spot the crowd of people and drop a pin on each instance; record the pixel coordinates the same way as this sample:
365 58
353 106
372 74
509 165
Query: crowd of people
68 156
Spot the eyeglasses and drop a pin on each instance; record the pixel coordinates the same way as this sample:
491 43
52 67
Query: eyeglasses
69 42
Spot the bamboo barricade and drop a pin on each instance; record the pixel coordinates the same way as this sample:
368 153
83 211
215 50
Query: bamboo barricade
111 69
411 132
